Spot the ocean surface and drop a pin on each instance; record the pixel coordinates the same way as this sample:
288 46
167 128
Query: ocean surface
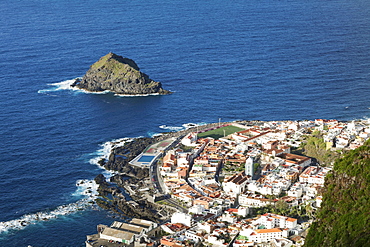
224 61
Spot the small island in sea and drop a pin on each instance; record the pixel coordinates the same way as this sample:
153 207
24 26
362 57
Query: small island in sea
242 183
118 75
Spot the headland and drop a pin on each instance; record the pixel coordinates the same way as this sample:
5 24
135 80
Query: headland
236 183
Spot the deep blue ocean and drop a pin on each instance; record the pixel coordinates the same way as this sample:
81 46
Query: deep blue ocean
234 60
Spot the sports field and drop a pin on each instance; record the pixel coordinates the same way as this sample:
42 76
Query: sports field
220 132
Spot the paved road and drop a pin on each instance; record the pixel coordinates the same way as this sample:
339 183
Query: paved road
176 205
157 179
160 187
158 184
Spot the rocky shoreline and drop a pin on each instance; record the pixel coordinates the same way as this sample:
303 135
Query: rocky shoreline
122 194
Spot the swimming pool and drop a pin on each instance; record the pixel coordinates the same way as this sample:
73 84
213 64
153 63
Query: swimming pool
146 158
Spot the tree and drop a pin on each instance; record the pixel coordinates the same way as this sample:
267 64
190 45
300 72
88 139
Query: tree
315 147
281 205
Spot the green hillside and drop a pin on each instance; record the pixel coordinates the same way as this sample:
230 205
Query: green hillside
344 216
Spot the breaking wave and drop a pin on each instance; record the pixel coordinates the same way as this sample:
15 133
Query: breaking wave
67 85
153 134
86 188
104 152
183 127
106 148
137 95
173 128
64 85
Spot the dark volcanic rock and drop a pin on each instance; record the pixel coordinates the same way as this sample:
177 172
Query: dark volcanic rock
119 159
100 179
118 75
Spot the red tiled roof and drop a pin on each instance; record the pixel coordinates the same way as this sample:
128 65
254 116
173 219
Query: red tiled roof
268 230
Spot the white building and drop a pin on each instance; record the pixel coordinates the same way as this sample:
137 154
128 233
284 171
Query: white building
249 169
253 200
241 211
262 235
125 232
228 216
295 192
190 139
183 159
206 226
236 184
282 242
182 218
216 210
117 235
197 209
318 201
265 188
193 235
273 220
314 175
212 239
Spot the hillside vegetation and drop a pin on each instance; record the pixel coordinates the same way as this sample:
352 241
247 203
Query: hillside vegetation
344 216
315 147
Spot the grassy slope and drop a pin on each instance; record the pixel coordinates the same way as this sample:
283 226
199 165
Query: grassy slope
344 218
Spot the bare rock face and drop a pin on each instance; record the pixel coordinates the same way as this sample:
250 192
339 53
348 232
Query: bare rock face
118 75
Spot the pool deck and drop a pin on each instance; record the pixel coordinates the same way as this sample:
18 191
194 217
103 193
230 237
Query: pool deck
155 151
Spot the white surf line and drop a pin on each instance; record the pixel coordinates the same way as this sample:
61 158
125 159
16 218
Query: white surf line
175 128
104 152
136 95
67 85
183 127
86 187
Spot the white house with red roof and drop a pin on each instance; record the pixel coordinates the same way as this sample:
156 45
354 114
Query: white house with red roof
263 235
269 220
190 139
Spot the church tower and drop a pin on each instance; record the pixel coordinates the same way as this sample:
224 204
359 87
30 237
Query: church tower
249 166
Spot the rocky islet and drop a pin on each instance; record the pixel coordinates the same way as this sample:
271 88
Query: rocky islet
118 75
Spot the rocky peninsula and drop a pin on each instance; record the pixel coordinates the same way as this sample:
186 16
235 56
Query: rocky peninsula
118 75
122 194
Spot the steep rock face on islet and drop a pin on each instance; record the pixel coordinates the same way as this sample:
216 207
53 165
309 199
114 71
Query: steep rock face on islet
118 75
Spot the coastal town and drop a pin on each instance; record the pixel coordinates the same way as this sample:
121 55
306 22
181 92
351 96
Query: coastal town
236 184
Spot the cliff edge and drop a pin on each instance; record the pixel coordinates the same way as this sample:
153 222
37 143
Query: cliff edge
119 75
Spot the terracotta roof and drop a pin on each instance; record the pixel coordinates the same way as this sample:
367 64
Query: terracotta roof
291 219
268 230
